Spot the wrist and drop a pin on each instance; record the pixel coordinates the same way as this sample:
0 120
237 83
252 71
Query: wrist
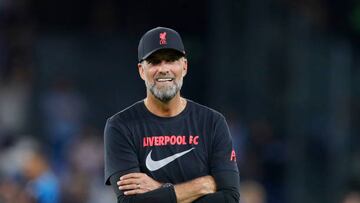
166 185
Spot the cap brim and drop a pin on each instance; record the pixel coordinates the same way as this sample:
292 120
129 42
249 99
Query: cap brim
161 48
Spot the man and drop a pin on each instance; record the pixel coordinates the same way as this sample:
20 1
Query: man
166 148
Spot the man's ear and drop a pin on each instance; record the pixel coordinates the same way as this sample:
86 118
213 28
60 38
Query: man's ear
185 67
141 70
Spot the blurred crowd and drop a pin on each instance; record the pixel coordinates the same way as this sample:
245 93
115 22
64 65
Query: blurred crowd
65 165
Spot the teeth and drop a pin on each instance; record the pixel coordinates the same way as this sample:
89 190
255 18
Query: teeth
163 79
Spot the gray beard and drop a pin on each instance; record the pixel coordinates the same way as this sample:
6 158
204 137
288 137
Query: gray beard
165 93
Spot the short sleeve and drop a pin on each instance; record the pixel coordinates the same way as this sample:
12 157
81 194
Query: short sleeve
119 150
223 157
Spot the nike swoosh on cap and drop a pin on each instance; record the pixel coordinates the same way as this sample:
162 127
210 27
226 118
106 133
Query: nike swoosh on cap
155 165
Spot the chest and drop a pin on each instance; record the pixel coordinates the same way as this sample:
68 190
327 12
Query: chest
174 152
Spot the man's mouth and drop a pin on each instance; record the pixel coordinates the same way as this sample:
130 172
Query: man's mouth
164 79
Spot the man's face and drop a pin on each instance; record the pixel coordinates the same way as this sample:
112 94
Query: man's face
163 73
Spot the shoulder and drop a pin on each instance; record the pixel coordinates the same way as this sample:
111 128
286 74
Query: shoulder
129 114
200 109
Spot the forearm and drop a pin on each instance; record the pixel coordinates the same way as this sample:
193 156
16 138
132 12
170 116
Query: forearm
221 196
228 184
194 189
161 195
180 193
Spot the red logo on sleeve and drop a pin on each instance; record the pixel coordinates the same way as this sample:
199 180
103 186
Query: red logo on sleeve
233 156
163 38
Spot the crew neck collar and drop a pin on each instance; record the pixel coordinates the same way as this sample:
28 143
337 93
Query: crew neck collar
164 118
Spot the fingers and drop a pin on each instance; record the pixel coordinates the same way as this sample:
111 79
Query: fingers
128 182
131 175
131 178
132 189
129 187
134 192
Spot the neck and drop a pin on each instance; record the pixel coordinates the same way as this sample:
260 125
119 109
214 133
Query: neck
165 109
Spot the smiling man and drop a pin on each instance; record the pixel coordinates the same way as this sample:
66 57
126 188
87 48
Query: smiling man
165 148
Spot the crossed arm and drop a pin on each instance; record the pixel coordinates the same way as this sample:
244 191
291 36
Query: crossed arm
138 187
222 186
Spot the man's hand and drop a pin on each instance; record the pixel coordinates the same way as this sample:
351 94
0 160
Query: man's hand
137 183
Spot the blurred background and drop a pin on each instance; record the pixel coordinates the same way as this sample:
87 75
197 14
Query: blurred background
285 73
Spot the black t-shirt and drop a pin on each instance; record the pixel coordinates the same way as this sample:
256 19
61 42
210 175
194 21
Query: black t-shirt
175 149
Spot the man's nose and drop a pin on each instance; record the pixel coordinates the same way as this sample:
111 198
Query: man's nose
164 67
